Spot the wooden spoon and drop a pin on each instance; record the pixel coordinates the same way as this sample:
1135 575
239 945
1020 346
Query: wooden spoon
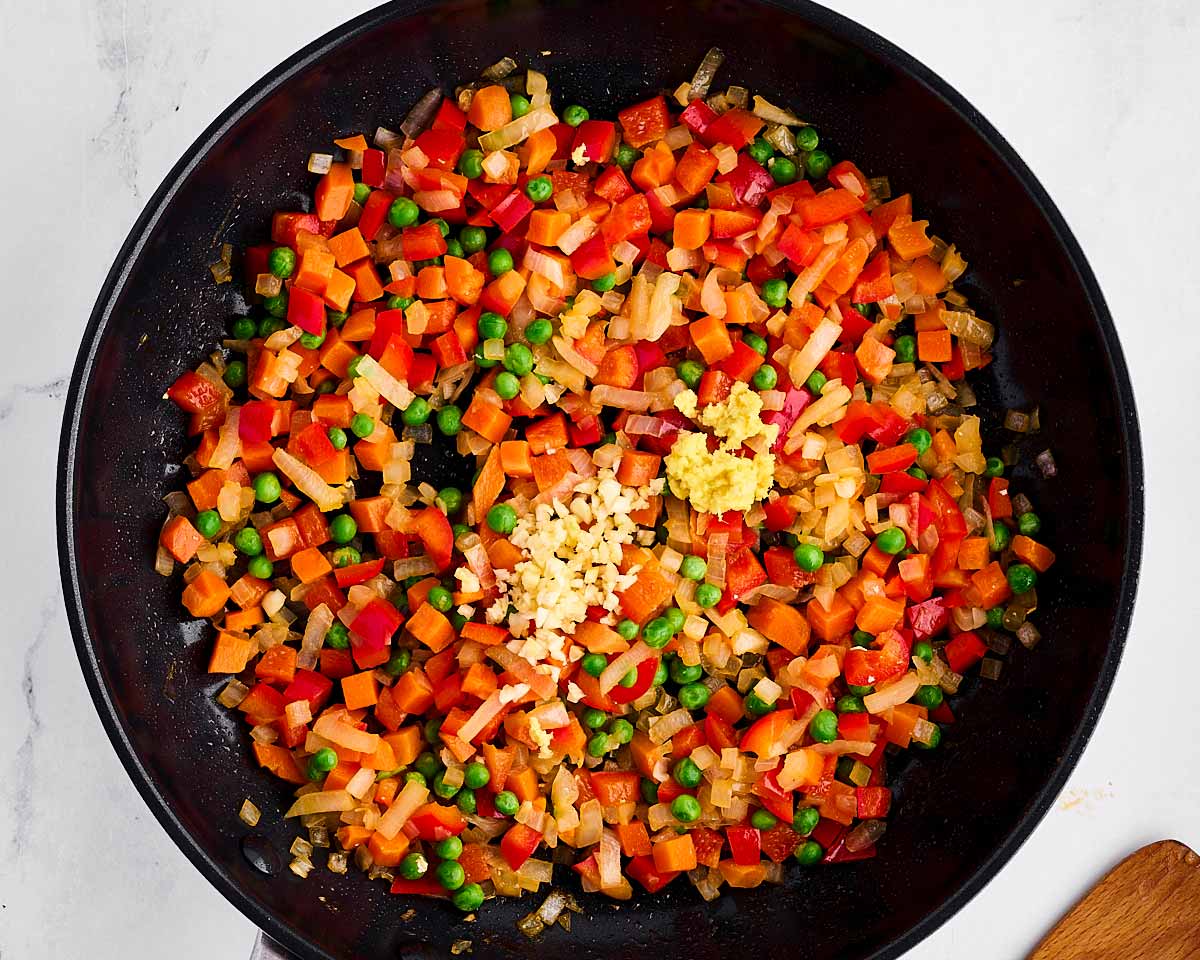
1146 908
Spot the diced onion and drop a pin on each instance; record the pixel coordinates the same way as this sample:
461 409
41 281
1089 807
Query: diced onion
894 693
608 860
517 131
332 727
394 391
703 77
623 664
419 116
406 803
773 114
228 442
319 622
322 801
308 481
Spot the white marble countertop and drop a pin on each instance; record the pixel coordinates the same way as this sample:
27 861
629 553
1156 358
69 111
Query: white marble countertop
101 98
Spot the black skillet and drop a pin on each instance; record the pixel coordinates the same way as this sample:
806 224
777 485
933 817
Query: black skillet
961 812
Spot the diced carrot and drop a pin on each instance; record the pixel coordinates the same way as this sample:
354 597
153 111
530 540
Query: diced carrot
647 516
691 228
933 346
740 876
352 836
386 790
230 653
711 337
504 555
335 356
514 459
597 638
206 595
549 433
314 270
782 623
992 585
479 681
360 690
848 266
431 627
546 226
359 326
727 704
279 761
335 192
874 359
348 246
523 783
244 619
1032 552
490 108
929 277
486 419
309 565
879 614
550 468
488 634
385 852
655 167
384 758
652 589
499 762
677 853
900 727
907 238
489 483
204 489
336 470
338 291
405 743
832 623
366 281
180 539
341 775
277 665
973 553
637 467
369 513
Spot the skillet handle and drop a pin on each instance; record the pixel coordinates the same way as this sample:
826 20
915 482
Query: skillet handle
267 949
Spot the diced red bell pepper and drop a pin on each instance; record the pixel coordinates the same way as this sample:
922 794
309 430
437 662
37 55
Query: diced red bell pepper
875 281
873 802
745 845
719 732
434 821
427 886
358 572
764 736
715 386
749 179
488 194
827 207
697 116
902 483
193 393
854 726
310 686
892 459
846 175
442 147
865 667
779 515
645 122
727 224
777 800
735 127
285 226
314 444
592 258
374 213
422 242
783 569
371 632
518 844
613 185
964 651
613 787
742 574
596 138
448 350
662 219
510 211
436 534
449 117
743 363
629 217
388 323
781 841
306 310
999 501
800 246
587 431
255 421
643 870
794 402
374 167
645 679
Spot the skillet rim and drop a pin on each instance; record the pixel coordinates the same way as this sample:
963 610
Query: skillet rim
827 20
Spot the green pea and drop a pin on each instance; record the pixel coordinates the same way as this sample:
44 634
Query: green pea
427 765
345 557
690 372
414 866
450 874
817 164
693 568
823 726
860 638
574 115
1001 537
470 896
762 819
621 730
442 788
248 541
470 164
539 189
850 704
682 674
499 261
267 488
993 467
593 664
336 318
917 472
338 637
413 777
594 719
629 678
362 425
627 156
816 382
707 595
675 619
605 283
756 706
403 213
920 438
337 437
506 803
783 170
685 808
208 523
454 248
774 292
518 359
806 820
451 498
597 746
507 385
491 326
449 849
324 759
935 739
442 225
929 696
891 541
440 599
765 378
342 528
520 105
809 557
243 328
397 302
687 774
276 308
539 331
449 420
417 412
502 518
756 343
995 618
906 348
807 139
281 261
628 629
473 239
1021 577
399 661
235 374
693 696
311 341
649 791
1029 524
924 650
760 150
809 853
261 567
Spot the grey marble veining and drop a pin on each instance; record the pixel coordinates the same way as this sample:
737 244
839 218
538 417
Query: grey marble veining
102 96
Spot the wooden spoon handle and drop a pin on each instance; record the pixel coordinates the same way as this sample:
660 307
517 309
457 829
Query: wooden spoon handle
1145 908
